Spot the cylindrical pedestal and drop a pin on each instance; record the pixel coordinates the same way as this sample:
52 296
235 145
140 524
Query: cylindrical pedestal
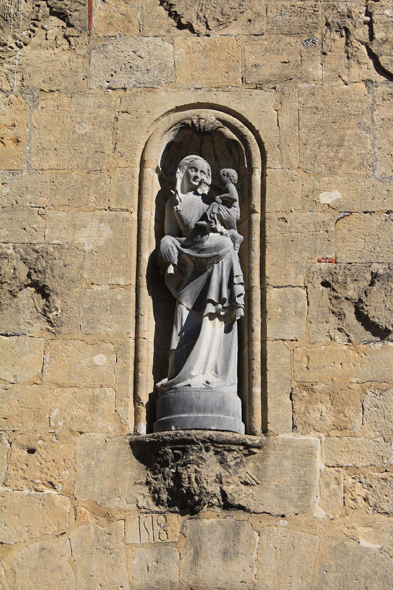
199 409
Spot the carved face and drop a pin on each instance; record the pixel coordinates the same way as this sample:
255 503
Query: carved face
195 173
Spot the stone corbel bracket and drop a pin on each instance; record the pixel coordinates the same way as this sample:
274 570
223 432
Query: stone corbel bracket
188 471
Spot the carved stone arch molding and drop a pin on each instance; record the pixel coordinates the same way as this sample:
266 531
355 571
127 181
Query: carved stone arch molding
211 133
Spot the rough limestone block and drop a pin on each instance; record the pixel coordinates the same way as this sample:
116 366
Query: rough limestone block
364 237
331 119
286 559
30 515
124 190
51 190
41 463
218 554
21 358
22 225
82 409
283 191
154 567
338 362
378 412
72 132
286 311
116 16
279 385
295 240
64 72
14 119
207 62
108 239
124 374
372 492
331 492
293 18
325 408
99 556
347 194
24 407
356 452
107 311
286 472
45 565
383 103
40 289
126 62
73 363
272 59
347 565
107 472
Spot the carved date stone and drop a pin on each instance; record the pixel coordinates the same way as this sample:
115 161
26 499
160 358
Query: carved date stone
200 252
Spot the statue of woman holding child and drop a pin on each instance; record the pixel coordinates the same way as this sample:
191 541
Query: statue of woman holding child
200 251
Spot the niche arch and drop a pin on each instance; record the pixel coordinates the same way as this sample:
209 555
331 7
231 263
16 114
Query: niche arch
225 140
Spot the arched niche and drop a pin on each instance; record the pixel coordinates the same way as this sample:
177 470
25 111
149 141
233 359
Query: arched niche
225 142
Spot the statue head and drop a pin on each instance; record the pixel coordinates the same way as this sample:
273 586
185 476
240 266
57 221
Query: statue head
228 174
193 174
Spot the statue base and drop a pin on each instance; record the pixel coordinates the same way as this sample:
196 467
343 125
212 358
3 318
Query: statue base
198 409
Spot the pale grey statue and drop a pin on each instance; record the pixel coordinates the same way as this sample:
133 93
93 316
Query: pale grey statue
200 250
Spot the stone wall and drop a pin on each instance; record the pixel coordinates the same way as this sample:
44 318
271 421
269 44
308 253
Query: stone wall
309 505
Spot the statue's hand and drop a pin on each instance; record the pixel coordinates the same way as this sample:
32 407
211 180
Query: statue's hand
226 217
168 249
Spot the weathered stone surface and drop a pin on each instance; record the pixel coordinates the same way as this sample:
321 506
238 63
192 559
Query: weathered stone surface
364 238
107 472
51 190
330 120
218 554
22 225
361 364
14 118
153 567
283 191
72 132
378 412
75 363
152 528
125 62
63 72
124 374
113 17
293 18
115 307
108 240
288 122
356 452
349 302
4 449
347 194
30 515
21 358
279 385
201 18
40 289
124 190
295 240
286 475
286 559
45 565
83 410
192 55
327 408
99 556
372 492
331 492
382 39
24 407
41 463
286 311
272 59
346 565
383 129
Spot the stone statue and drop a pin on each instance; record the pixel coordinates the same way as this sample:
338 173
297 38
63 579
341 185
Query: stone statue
203 273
